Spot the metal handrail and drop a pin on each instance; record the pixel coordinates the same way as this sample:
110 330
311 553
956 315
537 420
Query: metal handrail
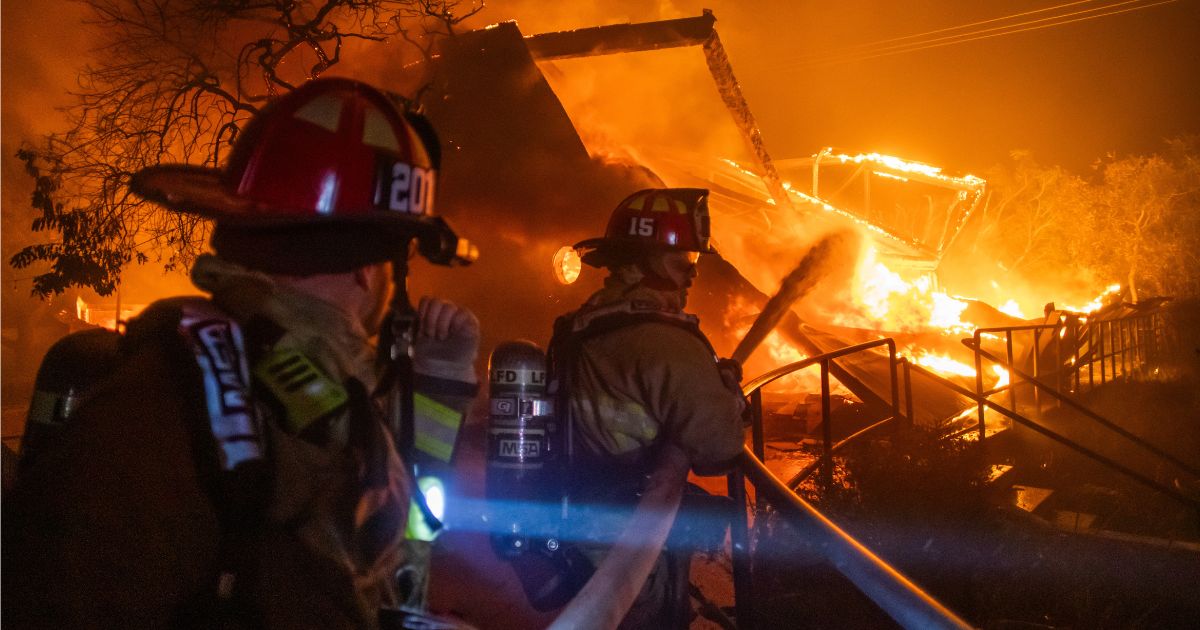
753 388
894 593
1131 342
1016 417
799 477
1108 424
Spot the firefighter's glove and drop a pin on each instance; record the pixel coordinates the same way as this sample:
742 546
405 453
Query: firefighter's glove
731 373
731 376
447 341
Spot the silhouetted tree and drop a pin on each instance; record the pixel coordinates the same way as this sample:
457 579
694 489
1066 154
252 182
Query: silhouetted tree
173 81
1136 222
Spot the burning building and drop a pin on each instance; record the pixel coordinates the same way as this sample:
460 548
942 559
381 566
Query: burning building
545 133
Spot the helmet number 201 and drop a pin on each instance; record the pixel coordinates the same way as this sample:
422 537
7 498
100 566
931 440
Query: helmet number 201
411 189
641 226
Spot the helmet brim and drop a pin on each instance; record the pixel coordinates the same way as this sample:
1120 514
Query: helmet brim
605 252
203 192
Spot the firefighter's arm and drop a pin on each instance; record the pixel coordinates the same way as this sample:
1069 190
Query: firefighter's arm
687 392
446 347
112 528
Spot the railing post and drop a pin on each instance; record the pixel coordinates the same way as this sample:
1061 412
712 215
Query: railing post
908 401
1059 331
1155 319
1137 343
979 385
1037 373
756 429
1075 355
1113 350
739 541
826 426
1091 331
1127 347
1123 329
1012 383
1119 358
1100 352
891 343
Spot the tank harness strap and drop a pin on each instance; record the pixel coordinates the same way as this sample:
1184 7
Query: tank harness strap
571 331
216 341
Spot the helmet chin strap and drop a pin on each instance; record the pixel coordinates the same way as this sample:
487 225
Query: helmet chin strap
395 356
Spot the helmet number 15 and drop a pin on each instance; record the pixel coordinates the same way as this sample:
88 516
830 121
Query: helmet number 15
641 226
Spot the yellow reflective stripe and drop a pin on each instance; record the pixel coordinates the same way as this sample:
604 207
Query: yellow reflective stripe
436 427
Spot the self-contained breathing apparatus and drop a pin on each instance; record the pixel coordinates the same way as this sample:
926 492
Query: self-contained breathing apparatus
547 497
70 368
524 463
527 476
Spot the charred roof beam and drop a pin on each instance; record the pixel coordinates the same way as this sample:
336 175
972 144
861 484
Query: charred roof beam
696 31
622 38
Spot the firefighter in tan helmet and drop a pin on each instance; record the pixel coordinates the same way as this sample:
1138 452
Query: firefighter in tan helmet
641 382
237 468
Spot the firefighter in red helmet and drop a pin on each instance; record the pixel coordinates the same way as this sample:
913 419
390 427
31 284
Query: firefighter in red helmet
640 383
239 467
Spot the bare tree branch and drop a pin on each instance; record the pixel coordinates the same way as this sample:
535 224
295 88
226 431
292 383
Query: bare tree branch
175 81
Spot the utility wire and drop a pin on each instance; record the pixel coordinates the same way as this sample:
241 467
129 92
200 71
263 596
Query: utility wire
855 47
874 50
846 55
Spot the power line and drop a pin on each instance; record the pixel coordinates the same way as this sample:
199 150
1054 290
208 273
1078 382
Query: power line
869 51
848 55
854 47
1008 32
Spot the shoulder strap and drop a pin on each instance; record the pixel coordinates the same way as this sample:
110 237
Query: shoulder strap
572 330
580 326
217 343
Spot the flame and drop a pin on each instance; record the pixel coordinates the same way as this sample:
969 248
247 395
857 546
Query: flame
739 317
1010 307
1096 303
105 316
882 300
942 363
905 166
889 176
1002 378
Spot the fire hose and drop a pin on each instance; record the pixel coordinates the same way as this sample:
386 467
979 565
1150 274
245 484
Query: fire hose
612 589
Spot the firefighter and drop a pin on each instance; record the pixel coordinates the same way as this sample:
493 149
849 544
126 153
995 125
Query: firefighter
236 467
639 381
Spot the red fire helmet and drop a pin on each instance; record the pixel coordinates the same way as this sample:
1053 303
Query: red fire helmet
333 152
655 218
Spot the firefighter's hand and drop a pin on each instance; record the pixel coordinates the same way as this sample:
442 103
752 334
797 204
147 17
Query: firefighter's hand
731 375
447 340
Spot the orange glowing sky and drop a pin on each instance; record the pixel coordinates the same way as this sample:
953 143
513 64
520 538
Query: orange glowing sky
1069 93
